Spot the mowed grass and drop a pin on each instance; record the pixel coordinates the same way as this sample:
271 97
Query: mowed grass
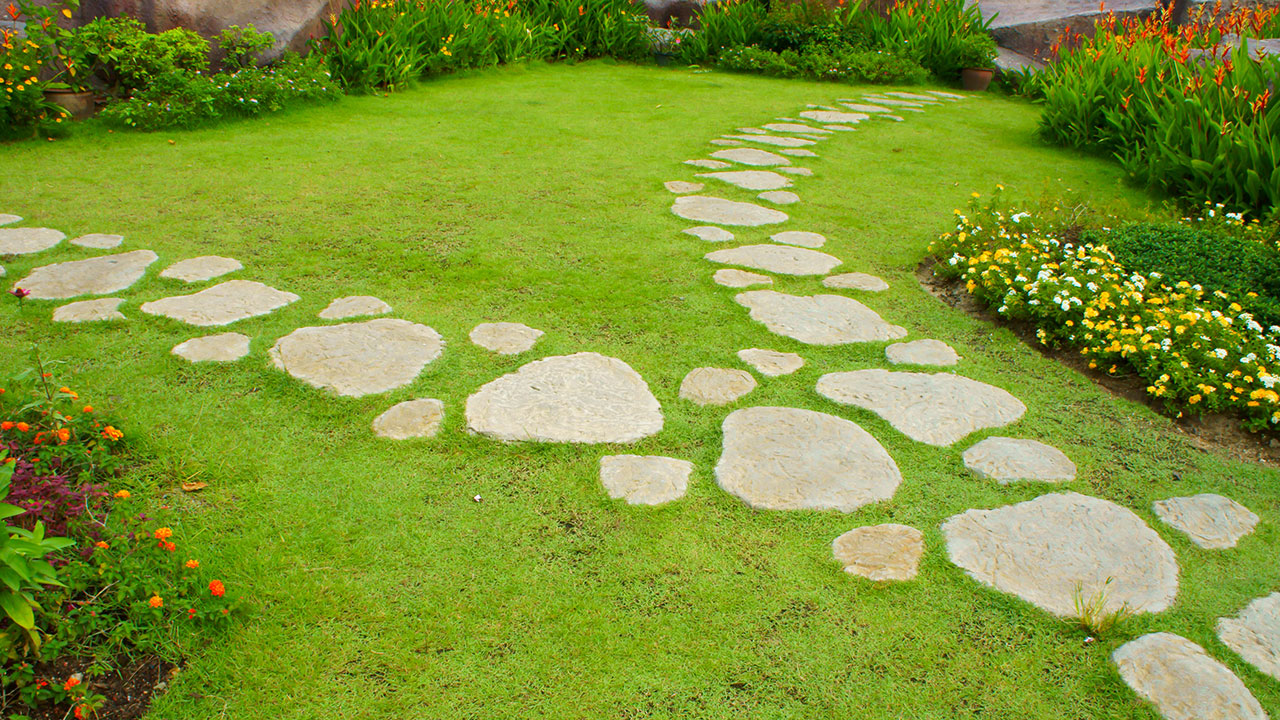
379 588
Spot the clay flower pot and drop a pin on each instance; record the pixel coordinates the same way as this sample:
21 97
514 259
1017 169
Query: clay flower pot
976 79
77 102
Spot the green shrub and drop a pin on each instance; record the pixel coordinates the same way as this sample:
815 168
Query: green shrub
129 58
840 64
240 45
23 109
944 36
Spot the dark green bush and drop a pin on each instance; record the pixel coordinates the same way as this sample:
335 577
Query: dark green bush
241 45
838 64
129 58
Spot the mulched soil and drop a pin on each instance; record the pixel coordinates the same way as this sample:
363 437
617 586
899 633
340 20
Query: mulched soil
129 689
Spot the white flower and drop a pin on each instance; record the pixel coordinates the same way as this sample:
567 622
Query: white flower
1222 354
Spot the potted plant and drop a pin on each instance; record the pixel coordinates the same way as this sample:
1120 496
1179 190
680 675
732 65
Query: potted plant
664 43
69 87
976 56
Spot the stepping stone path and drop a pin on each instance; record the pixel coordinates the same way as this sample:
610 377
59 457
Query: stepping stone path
771 363
89 311
832 116
781 259
751 156
505 338
921 352
1057 548
751 179
799 238
806 172
1182 681
200 269
225 347
95 276
354 306
710 233
7 219
1009 460
680 187
871 109
644 479
740 278
24 241
700 208
362 358
1254 634
582 398
799 152
856 281
818 320
780 197
222 304
1211 521
880 552
937 409
708 164
776 141
98 241
410 419
716 386
779 458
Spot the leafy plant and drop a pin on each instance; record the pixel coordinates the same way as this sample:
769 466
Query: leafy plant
944 36
840 64
240 45
23 56
128 58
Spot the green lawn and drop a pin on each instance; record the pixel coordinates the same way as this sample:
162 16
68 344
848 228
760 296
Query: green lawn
380 589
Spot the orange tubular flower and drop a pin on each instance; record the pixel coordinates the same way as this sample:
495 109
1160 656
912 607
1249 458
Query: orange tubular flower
71 682
163 533
122 494
63 435
193 564
156 601
22 427
13 12
216 588
1142 76
102 545
6 425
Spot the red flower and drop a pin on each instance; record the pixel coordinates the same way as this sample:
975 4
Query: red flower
71 682
19 292
216 588
1142 75
13 12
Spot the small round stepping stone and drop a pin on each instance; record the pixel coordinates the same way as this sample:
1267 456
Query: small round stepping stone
716 386
780 458
923 99
870 109
410 419
729 277
880 552
781 259
799 152
7 219
1009 460
224 347
780 197
354 306
726 142
710 233
751 179
505 338
799 238
1213 522
708 164
794 128
581 398
796 171
1182 681
98 241
1056 548
95 276
831 116
700 208
200 269
1254 634
776 141
362 358
936 409
771 363
818 320
644 479
751 156
921 352
24 241
222 304
856 281
89 311
681 187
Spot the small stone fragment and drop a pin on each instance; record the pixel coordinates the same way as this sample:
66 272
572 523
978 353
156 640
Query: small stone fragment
708 164
226 347
700 208
799 238
200 269
1009 460
856 281
751 156
1255 634
710 233
921 352
221 304
358 358
94 276
1213 522
24 241
1182 681
891 118
98 241
880 552
831 116
89 311
730 277
716 386
644 479
680 187
818 320
410 419
781 259
771 363
354 306
505 338
751 179
7 219
780 197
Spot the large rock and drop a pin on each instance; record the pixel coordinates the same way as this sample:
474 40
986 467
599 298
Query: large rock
718 211
1255 634
222 304
818 320
1211 521
95 276
1009 460
358 358
1182 681
781 259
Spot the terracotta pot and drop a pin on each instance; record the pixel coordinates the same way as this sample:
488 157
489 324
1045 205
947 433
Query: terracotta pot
976 79
78 103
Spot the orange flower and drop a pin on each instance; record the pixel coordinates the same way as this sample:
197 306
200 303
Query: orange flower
63 435
6 425
22 427
122 494
155 601
102 545
168 546
581 11
1142 76
216 588
163 533
193 564
111 433
88 409
68 391
13 12
71 682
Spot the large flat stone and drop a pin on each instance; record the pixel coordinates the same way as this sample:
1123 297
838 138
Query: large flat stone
359 358
799 238
200 269
89 311
818 320
751 179
710 233
794 128
780 197
1254 634
9 219
751 156
716 386
700 208
832 116
799 152
774 140
781 259
1009 460
221 304
98 241
95 276
771 363
644 479
1182 681
680 187
225 347
880 552
410 419
869 109
1213 522
730 277
24 241
708 164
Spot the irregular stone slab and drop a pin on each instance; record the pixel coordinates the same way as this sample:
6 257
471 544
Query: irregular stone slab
200 269
799 238
1254 634
89 311
361 358
505 338
680 187
880 552
894 103
710 233
937 409
811 106
841 128
869 109
1182 681
771 363
922 99
98 241
856 281
780 458
221 304
581 398
794 128
796 171
7 219
752 131
354 306
719 211
644 479
751 156
410 419
716 386
225 347
947 95
24 241
818 320
1213 522
1011 459
775 140
740 278
726 142
799 152
1055 548
921 352
94 276
708 164
781 259
831 116
780 197
751 179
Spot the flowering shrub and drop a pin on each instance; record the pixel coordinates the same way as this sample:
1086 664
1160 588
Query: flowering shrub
23 109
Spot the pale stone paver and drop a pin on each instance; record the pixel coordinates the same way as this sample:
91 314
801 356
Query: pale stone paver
1014 459
708 164
780 197
914 97
921 352
880 552
781 259
89 311
24 241
710 233
780 458
581 398
726 142
419 418
224 347
222 304
751 156
832 116
1213 522
771 363
806 172
856 281
946 95
505 338
799 238
354 306
95 276
200 269
358 358
1254 634
798 152
681 187
1058 548
1182 681
730 277
753 131
795 128
716 386
841 128
933 408
869 109
98 241
751 179
644 479
818 320
7 219
891 118
774 140
700 208
894 102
